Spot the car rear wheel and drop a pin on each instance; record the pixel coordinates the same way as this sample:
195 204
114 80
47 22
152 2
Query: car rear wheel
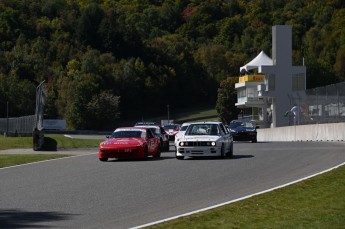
254 140
158 154
103 159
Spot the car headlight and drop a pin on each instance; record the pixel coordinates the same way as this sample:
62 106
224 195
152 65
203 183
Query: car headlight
213 143
181 143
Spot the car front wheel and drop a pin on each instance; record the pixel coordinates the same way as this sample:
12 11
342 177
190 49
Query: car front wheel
231 150
167 147
179 157
146 153
222 153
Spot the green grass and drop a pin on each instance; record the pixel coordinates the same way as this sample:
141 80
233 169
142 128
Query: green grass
318 202
17 159
52 142
200 115
190 115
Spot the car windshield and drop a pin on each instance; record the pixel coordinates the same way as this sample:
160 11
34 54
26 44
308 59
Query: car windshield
155 130
183 128
238 123
203 129
128 134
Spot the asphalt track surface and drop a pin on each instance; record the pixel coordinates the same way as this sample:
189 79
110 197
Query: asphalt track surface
82 192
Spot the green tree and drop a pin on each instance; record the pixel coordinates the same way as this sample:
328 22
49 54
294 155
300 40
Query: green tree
103 110
89 23
226 100
9 26
150 53
230 30
130 80
213 60
20 94
339 65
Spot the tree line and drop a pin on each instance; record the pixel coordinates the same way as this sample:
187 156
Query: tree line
107 61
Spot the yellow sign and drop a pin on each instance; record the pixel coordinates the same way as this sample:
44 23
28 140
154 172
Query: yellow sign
251 78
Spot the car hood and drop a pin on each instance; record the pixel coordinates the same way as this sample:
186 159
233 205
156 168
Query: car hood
200 138
180 133
122 142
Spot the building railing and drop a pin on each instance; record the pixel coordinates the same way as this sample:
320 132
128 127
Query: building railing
246 78
249 99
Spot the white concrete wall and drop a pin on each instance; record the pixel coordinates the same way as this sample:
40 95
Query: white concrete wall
316 132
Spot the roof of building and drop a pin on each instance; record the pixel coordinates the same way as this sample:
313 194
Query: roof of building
259 60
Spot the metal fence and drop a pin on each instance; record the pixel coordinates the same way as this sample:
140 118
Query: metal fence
320 105
26 124
20 125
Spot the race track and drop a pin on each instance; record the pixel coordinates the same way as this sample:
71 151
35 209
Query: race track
82 192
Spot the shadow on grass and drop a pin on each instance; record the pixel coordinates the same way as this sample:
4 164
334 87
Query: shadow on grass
14 218
50 144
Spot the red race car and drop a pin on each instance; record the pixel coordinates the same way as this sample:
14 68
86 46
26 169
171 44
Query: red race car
130 142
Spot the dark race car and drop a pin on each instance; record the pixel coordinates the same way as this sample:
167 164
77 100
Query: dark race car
159 133
172 130
242 130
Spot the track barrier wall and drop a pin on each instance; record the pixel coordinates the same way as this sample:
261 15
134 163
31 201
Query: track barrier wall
313 132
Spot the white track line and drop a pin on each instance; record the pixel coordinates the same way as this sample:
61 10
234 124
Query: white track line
37 162
236 200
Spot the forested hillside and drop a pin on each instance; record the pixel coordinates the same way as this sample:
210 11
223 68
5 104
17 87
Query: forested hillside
106 60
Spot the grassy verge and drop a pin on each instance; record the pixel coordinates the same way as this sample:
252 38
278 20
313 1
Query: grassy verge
17 159
52 141
193 114
318 202
201 115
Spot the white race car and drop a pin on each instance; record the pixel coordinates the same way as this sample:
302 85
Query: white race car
204 139
181 132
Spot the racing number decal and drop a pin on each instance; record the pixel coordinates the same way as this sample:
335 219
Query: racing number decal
152 144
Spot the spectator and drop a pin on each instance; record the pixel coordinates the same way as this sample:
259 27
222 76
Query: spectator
295 110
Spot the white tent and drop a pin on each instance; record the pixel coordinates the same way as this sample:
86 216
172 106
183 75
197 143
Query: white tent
259 60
